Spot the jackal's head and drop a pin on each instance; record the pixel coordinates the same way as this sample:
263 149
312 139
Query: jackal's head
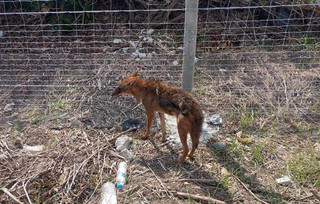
126 85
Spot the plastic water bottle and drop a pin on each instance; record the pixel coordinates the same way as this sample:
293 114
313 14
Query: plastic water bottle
109 194
121 174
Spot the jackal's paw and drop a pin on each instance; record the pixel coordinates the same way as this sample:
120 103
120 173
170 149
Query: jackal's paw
144 137
180 160
163 139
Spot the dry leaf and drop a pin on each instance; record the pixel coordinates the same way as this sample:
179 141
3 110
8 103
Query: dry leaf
245 140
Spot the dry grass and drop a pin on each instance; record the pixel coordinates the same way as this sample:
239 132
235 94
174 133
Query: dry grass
80 156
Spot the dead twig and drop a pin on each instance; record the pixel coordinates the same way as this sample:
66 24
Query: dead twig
6 191
258 199
25 191
198 197
198 180
159 180
120 134
315 194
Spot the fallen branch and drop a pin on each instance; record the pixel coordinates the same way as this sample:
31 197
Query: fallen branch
258 199
6 191
198 180
198 197
159 180
121 133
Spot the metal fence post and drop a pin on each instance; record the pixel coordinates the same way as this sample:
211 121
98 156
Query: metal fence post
189 47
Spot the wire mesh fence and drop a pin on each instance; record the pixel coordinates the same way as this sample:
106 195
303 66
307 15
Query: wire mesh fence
68 56
256 63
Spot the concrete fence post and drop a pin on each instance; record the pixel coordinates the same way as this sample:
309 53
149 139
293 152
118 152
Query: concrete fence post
189 47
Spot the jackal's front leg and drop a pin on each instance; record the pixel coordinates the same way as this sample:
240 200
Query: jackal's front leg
150 116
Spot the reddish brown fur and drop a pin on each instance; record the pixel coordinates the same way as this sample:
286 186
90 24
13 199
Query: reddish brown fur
162 98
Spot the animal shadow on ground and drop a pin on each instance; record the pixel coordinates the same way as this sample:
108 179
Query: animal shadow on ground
229 161
164 165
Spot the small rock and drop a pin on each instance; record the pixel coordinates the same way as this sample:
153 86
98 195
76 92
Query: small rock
137 59
175 63
220 146
123 143
196 60
127 154
148 40
228 139
142 55
8 108
75 123
1 33
172 52
224 172
33 148
285 181
135 54
149 55
247 176
150 31
317 147
133 44
117 41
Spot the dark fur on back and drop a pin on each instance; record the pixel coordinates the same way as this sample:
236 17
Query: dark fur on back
160 97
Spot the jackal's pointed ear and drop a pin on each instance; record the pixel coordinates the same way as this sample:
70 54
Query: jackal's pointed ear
134 74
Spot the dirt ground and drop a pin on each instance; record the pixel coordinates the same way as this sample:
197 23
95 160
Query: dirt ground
78 159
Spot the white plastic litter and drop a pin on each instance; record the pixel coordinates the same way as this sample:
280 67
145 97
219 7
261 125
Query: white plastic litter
284 181
109 194
33 148
121 175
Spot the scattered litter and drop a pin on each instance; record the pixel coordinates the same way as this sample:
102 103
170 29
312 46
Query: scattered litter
121 175
33 148
127 154
130 123
123 143
285 181
214 119
109 194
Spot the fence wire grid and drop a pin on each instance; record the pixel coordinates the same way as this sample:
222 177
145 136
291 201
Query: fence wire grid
65 58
